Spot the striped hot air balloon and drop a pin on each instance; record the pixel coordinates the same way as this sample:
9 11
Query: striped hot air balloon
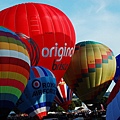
39 93
14 70
63 95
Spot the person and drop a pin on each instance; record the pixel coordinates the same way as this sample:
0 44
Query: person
102 107
95 112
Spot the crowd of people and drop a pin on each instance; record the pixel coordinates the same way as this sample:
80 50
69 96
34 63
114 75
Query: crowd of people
76 115
84 115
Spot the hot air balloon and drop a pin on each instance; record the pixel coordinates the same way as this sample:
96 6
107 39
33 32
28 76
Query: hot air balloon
63 95
117 73
91 70
39 93
14 70
113 103
47 32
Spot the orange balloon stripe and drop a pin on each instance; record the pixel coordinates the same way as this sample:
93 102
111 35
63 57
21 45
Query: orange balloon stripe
13 83
14 61
14 68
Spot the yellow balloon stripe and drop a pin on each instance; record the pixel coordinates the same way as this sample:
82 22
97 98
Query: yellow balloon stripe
14 75
13 46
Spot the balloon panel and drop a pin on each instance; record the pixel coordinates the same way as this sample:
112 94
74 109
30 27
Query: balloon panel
47 32
39 93
117 73
113 93
113 104
91 69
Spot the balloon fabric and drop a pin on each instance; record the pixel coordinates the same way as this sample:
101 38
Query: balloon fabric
117 73
63 95
91 70
113 103
46 31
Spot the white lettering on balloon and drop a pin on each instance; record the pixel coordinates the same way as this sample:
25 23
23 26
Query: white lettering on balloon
60 52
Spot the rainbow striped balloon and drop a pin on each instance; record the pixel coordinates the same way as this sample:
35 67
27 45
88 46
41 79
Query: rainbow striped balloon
14 70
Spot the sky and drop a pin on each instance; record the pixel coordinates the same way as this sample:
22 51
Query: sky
97 20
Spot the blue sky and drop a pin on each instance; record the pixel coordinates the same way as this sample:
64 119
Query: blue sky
97 20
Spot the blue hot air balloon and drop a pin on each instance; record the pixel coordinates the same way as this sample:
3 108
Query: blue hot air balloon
117 73
113 103
39 93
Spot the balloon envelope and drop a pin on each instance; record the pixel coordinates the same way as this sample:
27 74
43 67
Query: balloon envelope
39 93
14 70
113 103
117 73
63 95
48 32
91 70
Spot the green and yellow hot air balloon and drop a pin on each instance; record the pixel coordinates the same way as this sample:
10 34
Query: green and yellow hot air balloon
91 70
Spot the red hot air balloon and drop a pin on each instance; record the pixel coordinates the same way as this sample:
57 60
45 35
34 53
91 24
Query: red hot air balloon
47 32
63 95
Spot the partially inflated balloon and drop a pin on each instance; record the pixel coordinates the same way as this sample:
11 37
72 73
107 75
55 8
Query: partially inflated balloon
48 32
14 70
91 70
39 93
63 95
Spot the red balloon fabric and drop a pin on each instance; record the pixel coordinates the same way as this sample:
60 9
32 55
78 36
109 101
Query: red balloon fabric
47 32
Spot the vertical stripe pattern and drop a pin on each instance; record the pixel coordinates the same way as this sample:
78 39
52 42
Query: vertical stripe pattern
91 70
63 95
